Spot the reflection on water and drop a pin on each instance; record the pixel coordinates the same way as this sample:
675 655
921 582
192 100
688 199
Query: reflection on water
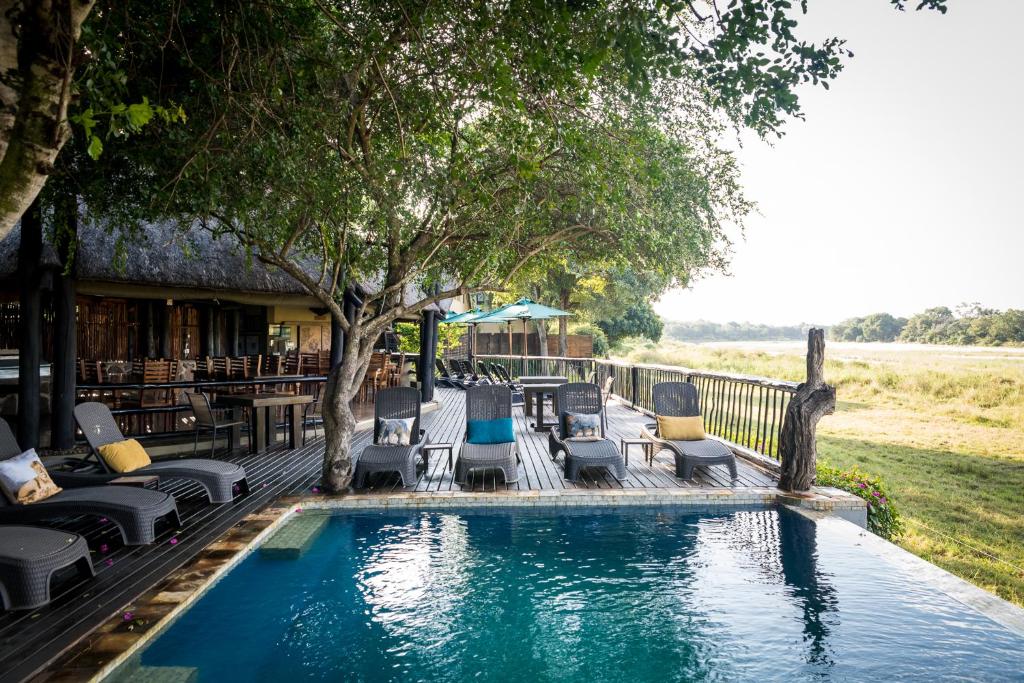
587 595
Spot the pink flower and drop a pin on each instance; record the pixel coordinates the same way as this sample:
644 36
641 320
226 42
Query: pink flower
298 509
876 494
104 547
264 485
109 562
862 485
315 489
128 616
173 541
103 520
882 500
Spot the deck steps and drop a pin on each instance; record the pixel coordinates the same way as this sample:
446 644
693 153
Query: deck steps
295 537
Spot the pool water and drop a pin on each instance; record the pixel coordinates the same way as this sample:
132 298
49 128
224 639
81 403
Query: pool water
583 595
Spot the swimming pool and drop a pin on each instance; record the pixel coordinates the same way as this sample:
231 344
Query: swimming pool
584 595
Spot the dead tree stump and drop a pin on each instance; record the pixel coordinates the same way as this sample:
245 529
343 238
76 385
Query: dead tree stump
813 400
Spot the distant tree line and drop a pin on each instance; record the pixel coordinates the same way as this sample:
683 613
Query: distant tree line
705 330
969 324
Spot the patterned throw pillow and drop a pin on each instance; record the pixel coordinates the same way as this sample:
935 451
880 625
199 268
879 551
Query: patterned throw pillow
583 426
395 432
24 479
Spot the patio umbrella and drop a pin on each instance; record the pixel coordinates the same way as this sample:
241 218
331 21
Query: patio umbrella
525 310
467 318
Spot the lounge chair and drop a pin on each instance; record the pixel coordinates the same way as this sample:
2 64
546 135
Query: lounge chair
393 403
488 402
445 378
680 399
29 556
217 477
503 378
133 510
584 398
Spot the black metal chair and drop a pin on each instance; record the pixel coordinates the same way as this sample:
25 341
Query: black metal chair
584 398
207 420
313 413
393 403
681 399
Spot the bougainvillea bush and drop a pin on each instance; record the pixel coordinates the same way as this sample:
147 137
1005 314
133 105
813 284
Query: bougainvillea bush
883 517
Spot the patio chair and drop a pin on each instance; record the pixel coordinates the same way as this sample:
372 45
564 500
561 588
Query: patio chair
207 420
133 510
488 402
217 477
313 413
393 403
681 399
445 378
584 398
29 556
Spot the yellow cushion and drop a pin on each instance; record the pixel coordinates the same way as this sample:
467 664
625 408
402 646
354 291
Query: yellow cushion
681 428
125 456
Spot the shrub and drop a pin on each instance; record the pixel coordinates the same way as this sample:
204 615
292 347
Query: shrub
883 517
601 345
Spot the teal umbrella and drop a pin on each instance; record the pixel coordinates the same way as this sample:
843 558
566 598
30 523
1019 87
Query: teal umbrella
467 318
525 310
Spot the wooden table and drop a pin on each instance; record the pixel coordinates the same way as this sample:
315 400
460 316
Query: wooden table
261 426
535 380
537 391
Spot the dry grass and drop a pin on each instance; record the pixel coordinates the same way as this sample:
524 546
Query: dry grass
944 426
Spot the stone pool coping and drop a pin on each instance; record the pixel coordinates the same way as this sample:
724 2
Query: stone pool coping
99 655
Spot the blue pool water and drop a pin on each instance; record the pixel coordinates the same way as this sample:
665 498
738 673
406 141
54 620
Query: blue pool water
587 595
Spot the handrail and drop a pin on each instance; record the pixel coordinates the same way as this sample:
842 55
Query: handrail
744 410
185 384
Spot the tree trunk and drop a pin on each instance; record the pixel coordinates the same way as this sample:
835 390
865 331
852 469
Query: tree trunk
813 400
563 324
37 55
339 428
542 336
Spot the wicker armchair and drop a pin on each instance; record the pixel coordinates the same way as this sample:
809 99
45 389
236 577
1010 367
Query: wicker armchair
681 399
393 403
583 397
488 402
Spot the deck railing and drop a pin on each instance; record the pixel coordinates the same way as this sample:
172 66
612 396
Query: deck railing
744 410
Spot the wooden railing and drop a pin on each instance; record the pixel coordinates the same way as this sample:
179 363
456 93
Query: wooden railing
744 410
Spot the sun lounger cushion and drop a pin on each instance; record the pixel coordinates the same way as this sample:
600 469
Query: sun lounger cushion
24 479
583 426
681 428
498 430
125 456
395 431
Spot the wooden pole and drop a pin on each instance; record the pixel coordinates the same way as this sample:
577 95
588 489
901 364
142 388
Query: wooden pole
30 328
165 333
63 371
813 400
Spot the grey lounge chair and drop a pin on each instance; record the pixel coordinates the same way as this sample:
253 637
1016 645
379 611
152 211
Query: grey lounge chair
217 477
488 402
681 399
28 558
583 397
393 403
134 511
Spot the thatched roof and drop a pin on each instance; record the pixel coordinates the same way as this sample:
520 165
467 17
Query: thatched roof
161 255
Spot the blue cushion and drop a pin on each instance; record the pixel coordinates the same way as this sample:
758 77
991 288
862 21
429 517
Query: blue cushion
490 431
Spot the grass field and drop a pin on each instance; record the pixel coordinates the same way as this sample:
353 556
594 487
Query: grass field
944 426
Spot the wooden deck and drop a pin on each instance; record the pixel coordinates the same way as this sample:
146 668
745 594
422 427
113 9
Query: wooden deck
28 640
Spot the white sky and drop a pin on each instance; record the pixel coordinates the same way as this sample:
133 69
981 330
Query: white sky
903 187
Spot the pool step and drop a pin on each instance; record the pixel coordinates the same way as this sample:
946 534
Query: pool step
294 538
162 674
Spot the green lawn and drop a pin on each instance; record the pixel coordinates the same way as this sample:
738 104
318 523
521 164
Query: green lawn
943 426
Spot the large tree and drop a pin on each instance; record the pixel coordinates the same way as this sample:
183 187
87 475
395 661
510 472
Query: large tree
430 149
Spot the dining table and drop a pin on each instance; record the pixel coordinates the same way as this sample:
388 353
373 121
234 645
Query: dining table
261 426
537 392
529 381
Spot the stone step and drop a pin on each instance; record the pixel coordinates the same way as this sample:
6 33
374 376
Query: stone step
162 674
295 537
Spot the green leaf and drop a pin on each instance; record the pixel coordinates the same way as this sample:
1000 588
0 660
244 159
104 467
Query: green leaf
95 148
140 114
